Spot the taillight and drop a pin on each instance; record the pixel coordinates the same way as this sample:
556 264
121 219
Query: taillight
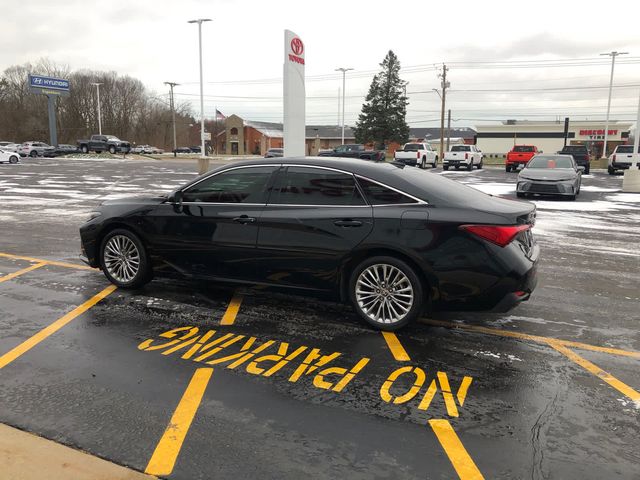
614 157
466 156
501 235
417 154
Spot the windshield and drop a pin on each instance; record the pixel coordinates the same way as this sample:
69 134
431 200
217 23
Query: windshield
460 148
558 161
412 147
523 148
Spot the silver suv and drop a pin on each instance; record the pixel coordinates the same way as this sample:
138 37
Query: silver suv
33 149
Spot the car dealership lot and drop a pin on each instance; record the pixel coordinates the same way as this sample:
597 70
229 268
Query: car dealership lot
549 390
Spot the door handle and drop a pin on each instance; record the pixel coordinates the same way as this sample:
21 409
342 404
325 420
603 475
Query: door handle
347 223
244 219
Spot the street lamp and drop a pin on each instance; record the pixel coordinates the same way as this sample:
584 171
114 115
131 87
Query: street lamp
97 85
344 73
199 21
173 115
613 56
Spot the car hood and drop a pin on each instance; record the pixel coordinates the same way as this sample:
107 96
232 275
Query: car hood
141 200
546 174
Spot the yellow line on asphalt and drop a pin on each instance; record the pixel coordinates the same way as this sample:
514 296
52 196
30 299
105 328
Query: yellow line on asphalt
526 336
622 387
48 262
458 455
20 272
166 453
232 310
397 350
43 334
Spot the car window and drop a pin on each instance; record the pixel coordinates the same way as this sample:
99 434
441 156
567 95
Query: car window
412 147
315 186
460 148
241 185
625 149
377 194
523 148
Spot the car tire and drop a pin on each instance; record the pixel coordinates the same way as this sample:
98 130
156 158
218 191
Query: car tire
508 169
586 170
445 167
13 159
33 153
470 166
423 164
84 149
120 251
112 149
612 171
404 310
479 167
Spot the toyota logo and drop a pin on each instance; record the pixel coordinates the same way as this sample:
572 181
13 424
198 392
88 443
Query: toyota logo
297 46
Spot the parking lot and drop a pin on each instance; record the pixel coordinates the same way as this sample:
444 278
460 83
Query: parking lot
199 381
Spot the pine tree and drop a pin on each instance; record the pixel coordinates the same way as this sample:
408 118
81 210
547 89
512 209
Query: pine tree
383 117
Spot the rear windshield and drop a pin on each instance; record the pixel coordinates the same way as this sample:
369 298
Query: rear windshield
523 148
412 147
460 148
575 148
625 149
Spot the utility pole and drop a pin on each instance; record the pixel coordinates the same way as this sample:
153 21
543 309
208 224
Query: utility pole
444 85
338 122
613 56
173 115
97 85
448 128
344 75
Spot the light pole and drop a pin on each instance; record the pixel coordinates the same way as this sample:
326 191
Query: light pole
97 85
199 21
613 56
344 74
173 115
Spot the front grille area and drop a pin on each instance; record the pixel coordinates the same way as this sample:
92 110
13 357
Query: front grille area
544 188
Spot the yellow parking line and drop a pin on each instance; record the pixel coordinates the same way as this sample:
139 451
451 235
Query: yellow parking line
458 455
526 336
397 350
232 310
43 334
622 387
166 453
48 262
20 272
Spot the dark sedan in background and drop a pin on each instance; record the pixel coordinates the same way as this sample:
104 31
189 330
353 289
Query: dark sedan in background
550 175
393 241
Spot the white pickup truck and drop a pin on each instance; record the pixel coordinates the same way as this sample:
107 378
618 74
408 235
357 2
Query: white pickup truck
416 154
622 158
467 156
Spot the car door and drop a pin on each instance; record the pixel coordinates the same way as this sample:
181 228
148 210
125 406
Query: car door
314 218
213 231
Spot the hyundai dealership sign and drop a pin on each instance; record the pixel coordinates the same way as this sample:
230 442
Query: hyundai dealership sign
48 85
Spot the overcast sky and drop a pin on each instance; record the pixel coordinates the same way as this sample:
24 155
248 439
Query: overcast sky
243 52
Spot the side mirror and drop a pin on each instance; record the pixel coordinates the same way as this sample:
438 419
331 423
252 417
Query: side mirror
176 197
580 168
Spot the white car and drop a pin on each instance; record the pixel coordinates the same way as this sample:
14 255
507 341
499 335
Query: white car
139 148
10 157
10 147
467 156
622 158
33 149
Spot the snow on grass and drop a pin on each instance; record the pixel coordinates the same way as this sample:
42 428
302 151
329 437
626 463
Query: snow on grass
624 197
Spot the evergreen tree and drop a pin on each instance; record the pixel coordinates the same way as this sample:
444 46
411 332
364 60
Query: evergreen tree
383 117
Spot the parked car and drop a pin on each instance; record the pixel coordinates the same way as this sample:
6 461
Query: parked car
7 156
195 149
274 153
182 150
466 156
550 175
355 150
622 158
4 144
519 155
11 147
33 149
580 154
298 224
104 143
65 149
154 150
138 149
416 154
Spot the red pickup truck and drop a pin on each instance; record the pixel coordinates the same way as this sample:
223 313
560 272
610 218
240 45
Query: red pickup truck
520 155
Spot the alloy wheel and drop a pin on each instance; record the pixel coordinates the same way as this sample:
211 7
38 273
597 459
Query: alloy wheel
384 293
121 258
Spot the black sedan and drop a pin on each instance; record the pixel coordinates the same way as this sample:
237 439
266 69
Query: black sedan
392 241
550 175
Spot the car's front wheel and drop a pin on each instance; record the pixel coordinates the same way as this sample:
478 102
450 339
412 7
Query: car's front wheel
386 292
112 149
124 260
13 159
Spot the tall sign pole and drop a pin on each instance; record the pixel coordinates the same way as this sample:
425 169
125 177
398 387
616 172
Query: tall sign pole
443 97
294 95
97 85
344 74
173 114
52 88
613 56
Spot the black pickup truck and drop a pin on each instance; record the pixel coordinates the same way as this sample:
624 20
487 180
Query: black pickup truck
580 155
104 143
355 150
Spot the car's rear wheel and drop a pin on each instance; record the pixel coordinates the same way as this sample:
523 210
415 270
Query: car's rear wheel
612 171
470 166
386 292
84 149
124 260
13 159
479 165
33 153
423 164
508 168
112 149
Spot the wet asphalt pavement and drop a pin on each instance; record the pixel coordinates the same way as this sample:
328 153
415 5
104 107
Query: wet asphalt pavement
523 401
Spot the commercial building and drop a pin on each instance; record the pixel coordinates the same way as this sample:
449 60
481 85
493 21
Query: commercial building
549 136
